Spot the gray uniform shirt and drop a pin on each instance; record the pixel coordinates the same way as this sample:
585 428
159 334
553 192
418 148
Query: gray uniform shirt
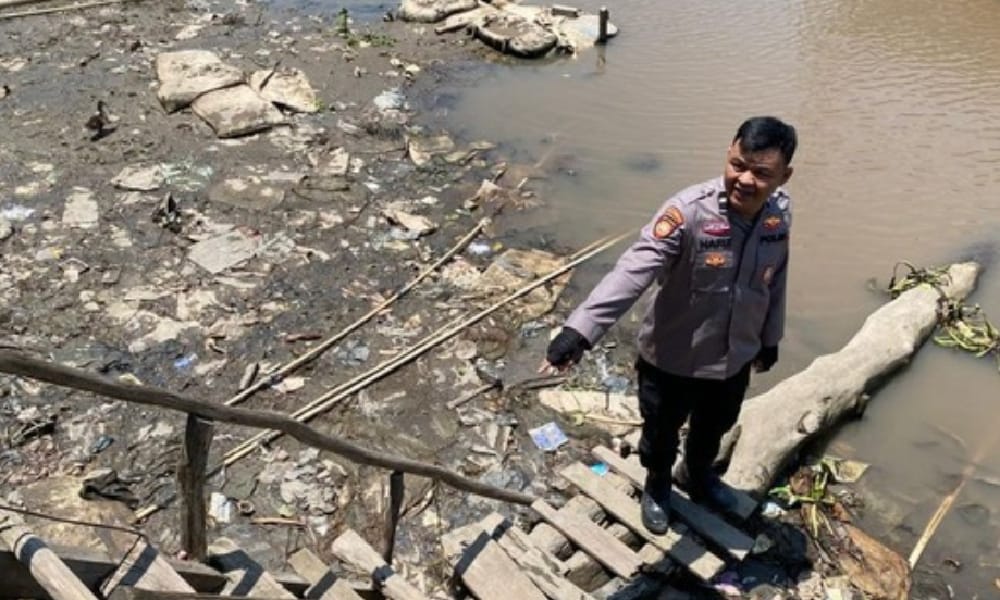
720 287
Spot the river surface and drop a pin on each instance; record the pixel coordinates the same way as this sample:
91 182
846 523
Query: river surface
897 104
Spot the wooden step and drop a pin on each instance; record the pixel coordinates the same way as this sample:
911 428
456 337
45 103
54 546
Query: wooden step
592 539
700 519
46 568
145 568
323 583
244 575
352 549
622 507
746 505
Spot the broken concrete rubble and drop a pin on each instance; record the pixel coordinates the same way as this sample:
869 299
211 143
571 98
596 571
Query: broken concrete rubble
287 88
185 75
432 11
81 210
139 178
236 111
216 254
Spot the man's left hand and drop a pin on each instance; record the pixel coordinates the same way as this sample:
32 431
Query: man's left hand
765 359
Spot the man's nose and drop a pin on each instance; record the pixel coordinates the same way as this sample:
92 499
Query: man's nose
746 179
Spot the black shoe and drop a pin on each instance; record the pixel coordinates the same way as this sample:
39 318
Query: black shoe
656 504
712 492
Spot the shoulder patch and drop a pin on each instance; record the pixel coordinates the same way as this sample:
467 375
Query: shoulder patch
772 222
668 222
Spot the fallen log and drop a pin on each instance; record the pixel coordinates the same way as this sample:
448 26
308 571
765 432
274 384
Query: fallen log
774 425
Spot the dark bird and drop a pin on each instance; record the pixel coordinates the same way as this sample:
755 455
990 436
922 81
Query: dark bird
100 122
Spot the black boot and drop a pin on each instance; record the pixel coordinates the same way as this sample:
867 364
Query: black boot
706 489
656 503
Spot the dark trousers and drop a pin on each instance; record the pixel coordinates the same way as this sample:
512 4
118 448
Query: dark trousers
666 400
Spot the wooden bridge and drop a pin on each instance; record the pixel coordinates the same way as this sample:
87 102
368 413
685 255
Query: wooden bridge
594 546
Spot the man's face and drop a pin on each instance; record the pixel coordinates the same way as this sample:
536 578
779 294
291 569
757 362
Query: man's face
751 178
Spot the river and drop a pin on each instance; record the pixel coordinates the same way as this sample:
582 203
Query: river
898 112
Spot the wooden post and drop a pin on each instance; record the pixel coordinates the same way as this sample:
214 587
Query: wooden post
396 493
50 572
602 32
191 475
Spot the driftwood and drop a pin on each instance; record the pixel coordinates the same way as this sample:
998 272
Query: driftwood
17 363
774 425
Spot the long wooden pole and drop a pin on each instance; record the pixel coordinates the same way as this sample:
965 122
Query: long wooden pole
47 569
17 363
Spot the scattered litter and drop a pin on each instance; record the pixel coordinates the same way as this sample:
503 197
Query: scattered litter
16 212
390 100
599 468
101 444
290 384
415 225
422 150
139 178
548 437
81 209
845 471
353 353
617 414
772 510
249 375
219 253
220 508
182 364
480 248
6 229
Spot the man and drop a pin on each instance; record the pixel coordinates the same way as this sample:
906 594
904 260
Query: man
718 252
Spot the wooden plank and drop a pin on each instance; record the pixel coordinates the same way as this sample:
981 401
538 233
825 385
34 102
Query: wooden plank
44 565
244 575
93 567
746 505
592 539
355 551
491 575
546 573
325 585
684 550
126 593
703 521
191 475
145 568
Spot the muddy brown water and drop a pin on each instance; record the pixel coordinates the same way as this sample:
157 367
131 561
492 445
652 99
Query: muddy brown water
899 118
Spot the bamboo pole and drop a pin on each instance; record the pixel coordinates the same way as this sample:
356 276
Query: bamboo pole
396 493
45 566
53 9
329 342
17 363
343 391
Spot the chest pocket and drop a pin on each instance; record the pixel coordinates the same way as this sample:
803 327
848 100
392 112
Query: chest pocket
771 252
713 271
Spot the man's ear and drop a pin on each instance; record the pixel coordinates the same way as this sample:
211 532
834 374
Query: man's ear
788 175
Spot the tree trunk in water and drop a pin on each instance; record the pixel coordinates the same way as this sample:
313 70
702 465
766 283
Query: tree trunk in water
774 425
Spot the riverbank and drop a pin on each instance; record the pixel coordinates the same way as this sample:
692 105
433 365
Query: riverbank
151 249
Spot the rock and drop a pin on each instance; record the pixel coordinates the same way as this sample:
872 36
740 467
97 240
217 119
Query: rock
334 164
292 491
248 193
288 88
6 229
81 209
187 74
139 178
615 413
432 11
236 111
390 100
417 225
422 150
219 253
516 35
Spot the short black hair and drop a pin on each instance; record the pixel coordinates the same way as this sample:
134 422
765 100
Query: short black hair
764 133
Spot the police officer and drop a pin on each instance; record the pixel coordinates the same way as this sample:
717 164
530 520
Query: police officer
718 254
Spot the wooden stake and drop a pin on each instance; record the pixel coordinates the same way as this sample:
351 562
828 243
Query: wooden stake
396 493
191 475
50 572
602 32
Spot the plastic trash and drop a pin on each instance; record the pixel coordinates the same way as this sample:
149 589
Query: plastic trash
548 437
183 363
16 212
599 468
101 444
